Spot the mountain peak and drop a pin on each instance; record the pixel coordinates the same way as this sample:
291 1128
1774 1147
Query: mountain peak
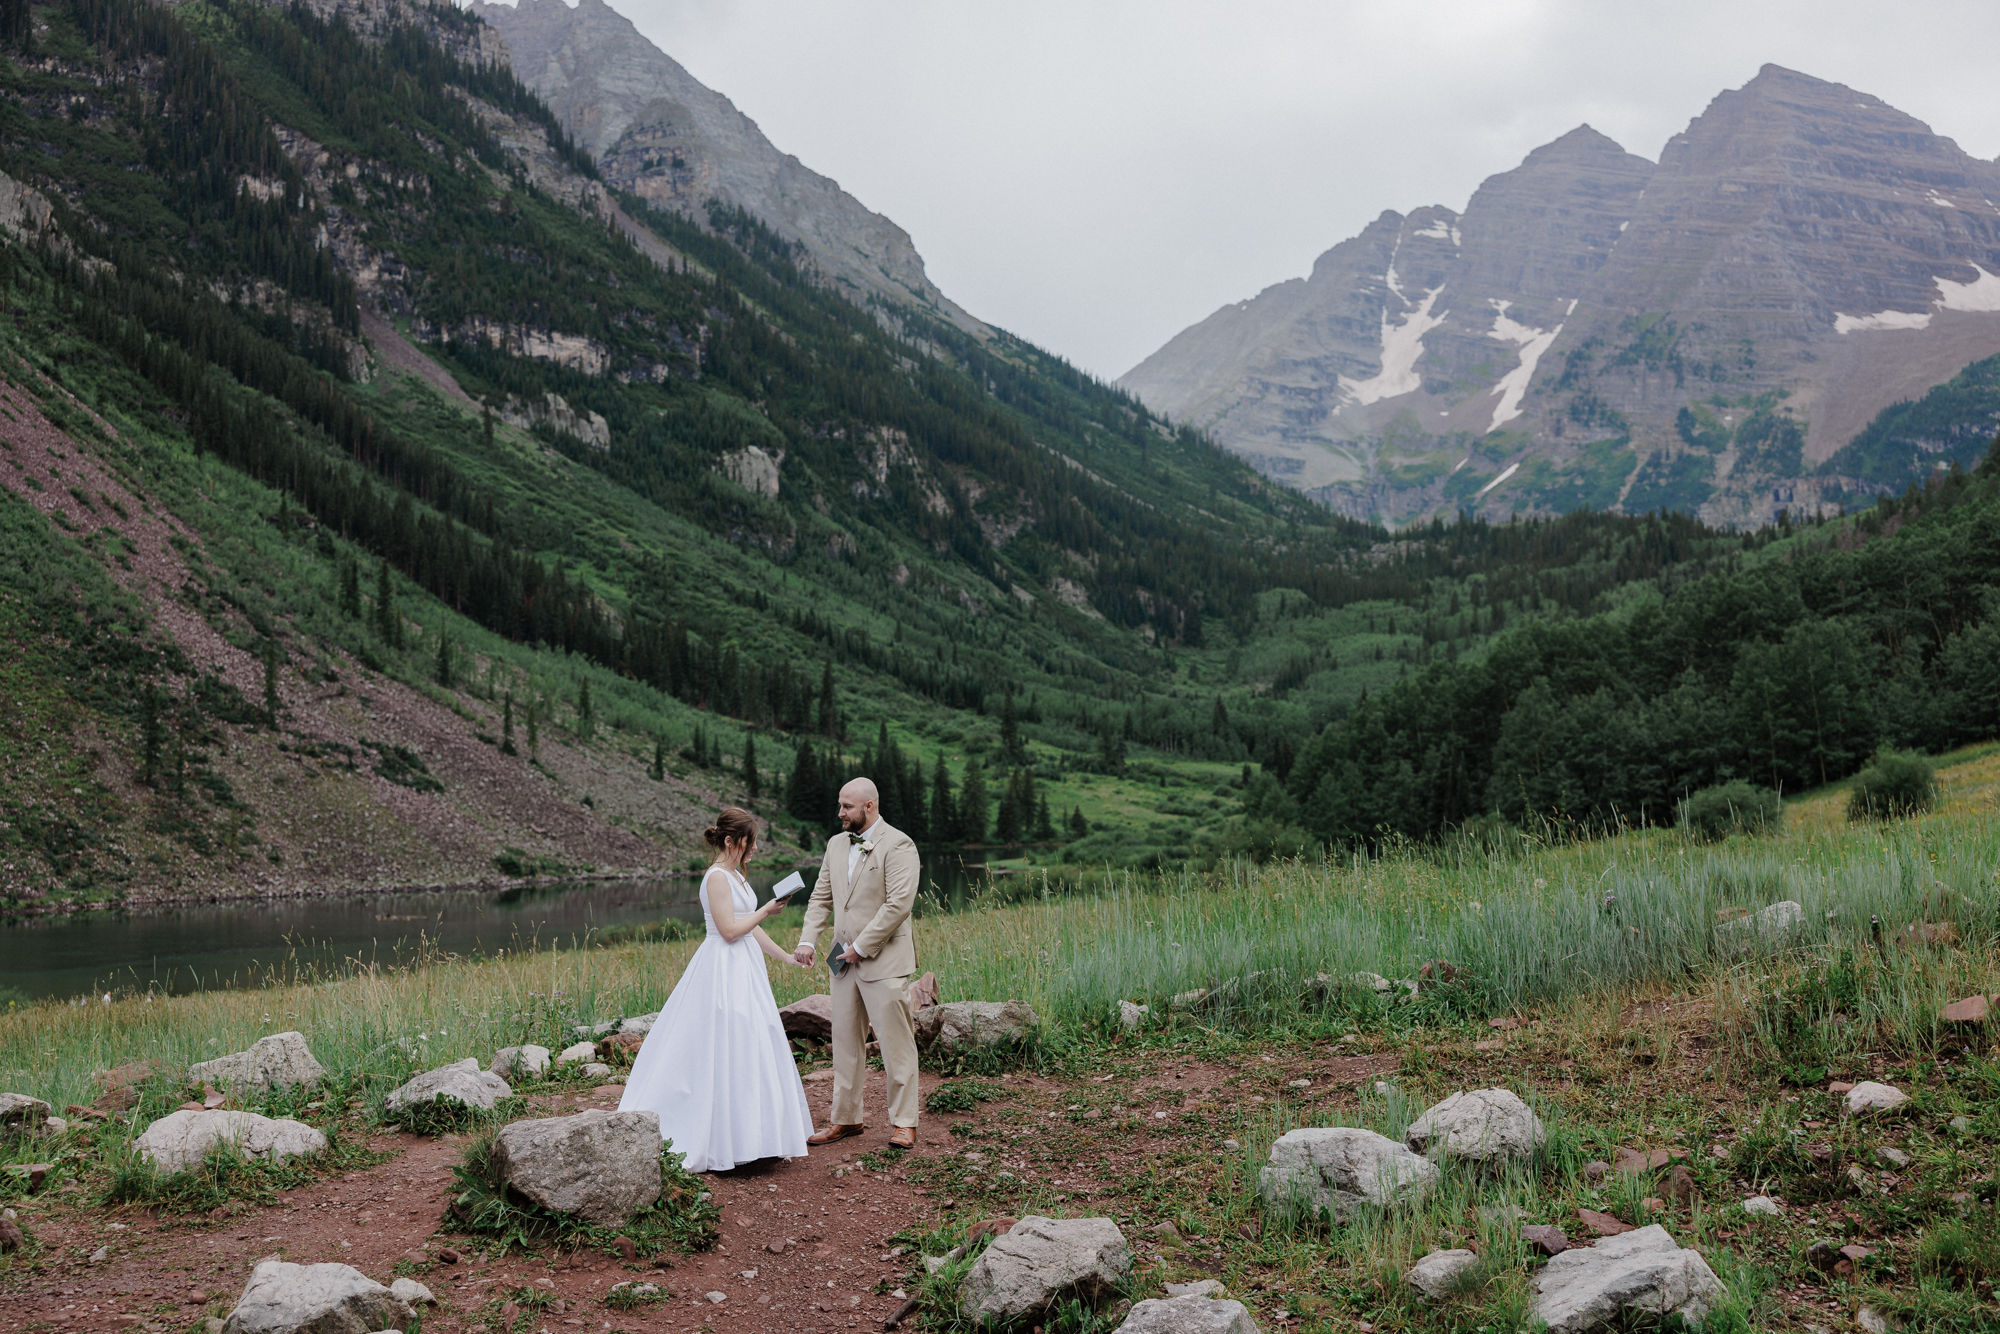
1581 141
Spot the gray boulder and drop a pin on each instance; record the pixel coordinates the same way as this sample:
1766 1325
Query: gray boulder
1869 1098
601 1166
1041 1260
1188 1315
1339 1169
810 1017
577 1052
1767 928
1131 1015
515 1062
284 1298
463 1082
961 1025
18 1111
410 1291
1485 1126
641 1024
180 1140
1438 1274
1642 1275
278 1061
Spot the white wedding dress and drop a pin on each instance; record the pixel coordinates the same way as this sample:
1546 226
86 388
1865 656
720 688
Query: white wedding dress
716 1065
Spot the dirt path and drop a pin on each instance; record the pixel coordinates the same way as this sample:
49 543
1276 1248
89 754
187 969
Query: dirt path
804 1244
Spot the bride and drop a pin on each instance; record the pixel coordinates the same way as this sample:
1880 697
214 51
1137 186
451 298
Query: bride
716 1065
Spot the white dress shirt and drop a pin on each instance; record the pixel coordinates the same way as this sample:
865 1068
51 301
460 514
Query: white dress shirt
854 842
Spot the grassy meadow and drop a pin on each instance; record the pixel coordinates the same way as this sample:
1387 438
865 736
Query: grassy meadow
1590 977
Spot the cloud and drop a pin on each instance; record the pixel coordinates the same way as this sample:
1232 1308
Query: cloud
1097 174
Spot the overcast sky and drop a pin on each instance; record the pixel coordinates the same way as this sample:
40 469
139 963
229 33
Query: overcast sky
1095 175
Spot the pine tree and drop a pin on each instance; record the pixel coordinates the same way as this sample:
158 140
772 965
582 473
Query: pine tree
507 726
802 789
1011 749
972 804
534 731
350 590
1010 819
658 771
750 764
944 812
586 712
1045 829
271 682
442 671
829 722
388 625
1078 826
486 422
1111 750
1218 721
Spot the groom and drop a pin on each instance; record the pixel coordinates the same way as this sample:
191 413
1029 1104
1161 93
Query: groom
868 883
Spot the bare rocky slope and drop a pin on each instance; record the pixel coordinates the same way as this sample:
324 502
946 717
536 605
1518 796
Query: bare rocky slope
1599 331
660 133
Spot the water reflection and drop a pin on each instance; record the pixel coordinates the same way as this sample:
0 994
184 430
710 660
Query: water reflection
235 944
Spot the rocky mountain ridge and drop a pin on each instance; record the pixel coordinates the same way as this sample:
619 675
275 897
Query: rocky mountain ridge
661 134
1595 330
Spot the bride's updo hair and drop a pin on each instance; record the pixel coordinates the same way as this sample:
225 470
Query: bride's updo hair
730 822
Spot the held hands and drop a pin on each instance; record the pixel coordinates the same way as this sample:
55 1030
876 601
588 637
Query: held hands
803 956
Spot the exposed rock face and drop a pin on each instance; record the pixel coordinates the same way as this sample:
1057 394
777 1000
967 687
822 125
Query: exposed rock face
281 1060
180 1140
965 1024
463 1083
1041 1260
1559 344
1487 1126
1188 1315
1642 1274
1338 1170
283 1298
659 133
554 411
601 1166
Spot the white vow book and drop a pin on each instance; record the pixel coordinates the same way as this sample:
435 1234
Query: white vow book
787 887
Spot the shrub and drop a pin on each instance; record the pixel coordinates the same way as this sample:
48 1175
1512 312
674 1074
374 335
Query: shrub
1898 784
1735 807
960 1095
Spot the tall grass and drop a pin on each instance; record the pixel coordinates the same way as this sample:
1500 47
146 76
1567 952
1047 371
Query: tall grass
1527 926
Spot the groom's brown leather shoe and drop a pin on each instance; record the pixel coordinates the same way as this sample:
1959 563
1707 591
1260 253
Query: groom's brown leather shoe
903 1137
832 1133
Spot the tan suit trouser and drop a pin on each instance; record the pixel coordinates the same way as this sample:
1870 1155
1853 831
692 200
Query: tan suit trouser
885 1005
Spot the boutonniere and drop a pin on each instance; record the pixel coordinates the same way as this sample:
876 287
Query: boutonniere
867 845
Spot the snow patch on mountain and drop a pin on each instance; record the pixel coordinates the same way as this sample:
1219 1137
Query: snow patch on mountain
1533 342
1980 296
1505 473
1402 345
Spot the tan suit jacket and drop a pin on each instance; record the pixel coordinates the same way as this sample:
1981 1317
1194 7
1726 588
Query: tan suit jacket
873 911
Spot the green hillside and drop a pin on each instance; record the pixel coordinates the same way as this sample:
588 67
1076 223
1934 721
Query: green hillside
390 493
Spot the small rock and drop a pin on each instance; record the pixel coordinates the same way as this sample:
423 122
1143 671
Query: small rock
281 1060
463 1083
1895 1158
1439 1274
1043 1260
1339 1169
577 1051
1438 973
1762 1204
1823 1256
1299 1084
976 1025
31 1173
601 1166
594 1031
1838 1087
1873 1320
716 1298
1653 1204
1131 1016
933 1263
1770 928
1603 1224
1383 1089
637 1025
1961 1124
1206 1287
55 1126
1188 1315
411 1292
1971 1010
100 1255
596 1070
1869 1098
18 1111
1485 1126
1855 1254
180 1140
922 993
11 1236
1546 1238
1680 1185
1595 1170
527 1060
1641 1275
1502 1215
121 1085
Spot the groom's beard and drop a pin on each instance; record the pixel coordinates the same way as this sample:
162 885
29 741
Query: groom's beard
854 826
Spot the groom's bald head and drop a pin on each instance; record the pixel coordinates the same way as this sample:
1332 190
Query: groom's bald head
859 804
